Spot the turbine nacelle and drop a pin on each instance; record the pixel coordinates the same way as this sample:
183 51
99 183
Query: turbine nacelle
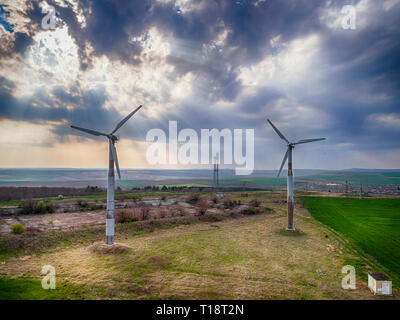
290 145
111 137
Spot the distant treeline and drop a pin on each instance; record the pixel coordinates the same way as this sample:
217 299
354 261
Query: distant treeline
192 188
21 193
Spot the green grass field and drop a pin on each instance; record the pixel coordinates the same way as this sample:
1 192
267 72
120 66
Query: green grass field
31 289
372 225
183 185
372 178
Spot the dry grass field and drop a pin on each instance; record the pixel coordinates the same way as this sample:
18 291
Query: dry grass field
226 257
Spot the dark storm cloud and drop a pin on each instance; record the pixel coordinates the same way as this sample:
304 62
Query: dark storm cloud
24 109
361 69
87 111
366 79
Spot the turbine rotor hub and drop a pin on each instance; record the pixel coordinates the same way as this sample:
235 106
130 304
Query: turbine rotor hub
113 138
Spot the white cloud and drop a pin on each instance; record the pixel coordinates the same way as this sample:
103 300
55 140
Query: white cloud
383 121
185 6
25 133
389 4
75 8
52 60
293 113
293 64
152 82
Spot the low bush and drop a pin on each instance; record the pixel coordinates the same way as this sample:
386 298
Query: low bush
135 197
123 216
145 213
17 228
229 202
255 203
33 206
28 206
82 203
202 206
163 213
193 198
212 217
250 211
180 211
96 206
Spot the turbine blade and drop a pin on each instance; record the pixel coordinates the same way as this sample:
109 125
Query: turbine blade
93 132
119 125
309 140
115 157
277 131
283 162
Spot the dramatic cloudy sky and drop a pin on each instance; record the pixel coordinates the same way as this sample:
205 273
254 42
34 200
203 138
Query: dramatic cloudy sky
207 64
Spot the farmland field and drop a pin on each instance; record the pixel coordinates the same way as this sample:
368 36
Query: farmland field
373 178
219 255
373 225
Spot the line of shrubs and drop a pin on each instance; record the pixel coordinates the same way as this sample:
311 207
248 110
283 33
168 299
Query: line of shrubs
35 206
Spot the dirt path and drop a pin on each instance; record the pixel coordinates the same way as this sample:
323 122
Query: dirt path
54 221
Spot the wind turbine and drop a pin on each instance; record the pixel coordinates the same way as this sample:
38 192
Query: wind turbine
290 182
113 159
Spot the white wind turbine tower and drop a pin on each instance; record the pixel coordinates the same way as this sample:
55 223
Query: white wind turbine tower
290 182
113 159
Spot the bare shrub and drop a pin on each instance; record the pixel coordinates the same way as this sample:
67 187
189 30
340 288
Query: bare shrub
193 198
163 213
211 218
250 211
255 203
229 202
122 216
144 212
202 206
82 203
29 206
180 211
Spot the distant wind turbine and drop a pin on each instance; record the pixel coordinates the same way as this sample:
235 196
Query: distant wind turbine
113 159
290 182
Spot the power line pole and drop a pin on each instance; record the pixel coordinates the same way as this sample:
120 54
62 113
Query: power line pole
216 173
361 191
